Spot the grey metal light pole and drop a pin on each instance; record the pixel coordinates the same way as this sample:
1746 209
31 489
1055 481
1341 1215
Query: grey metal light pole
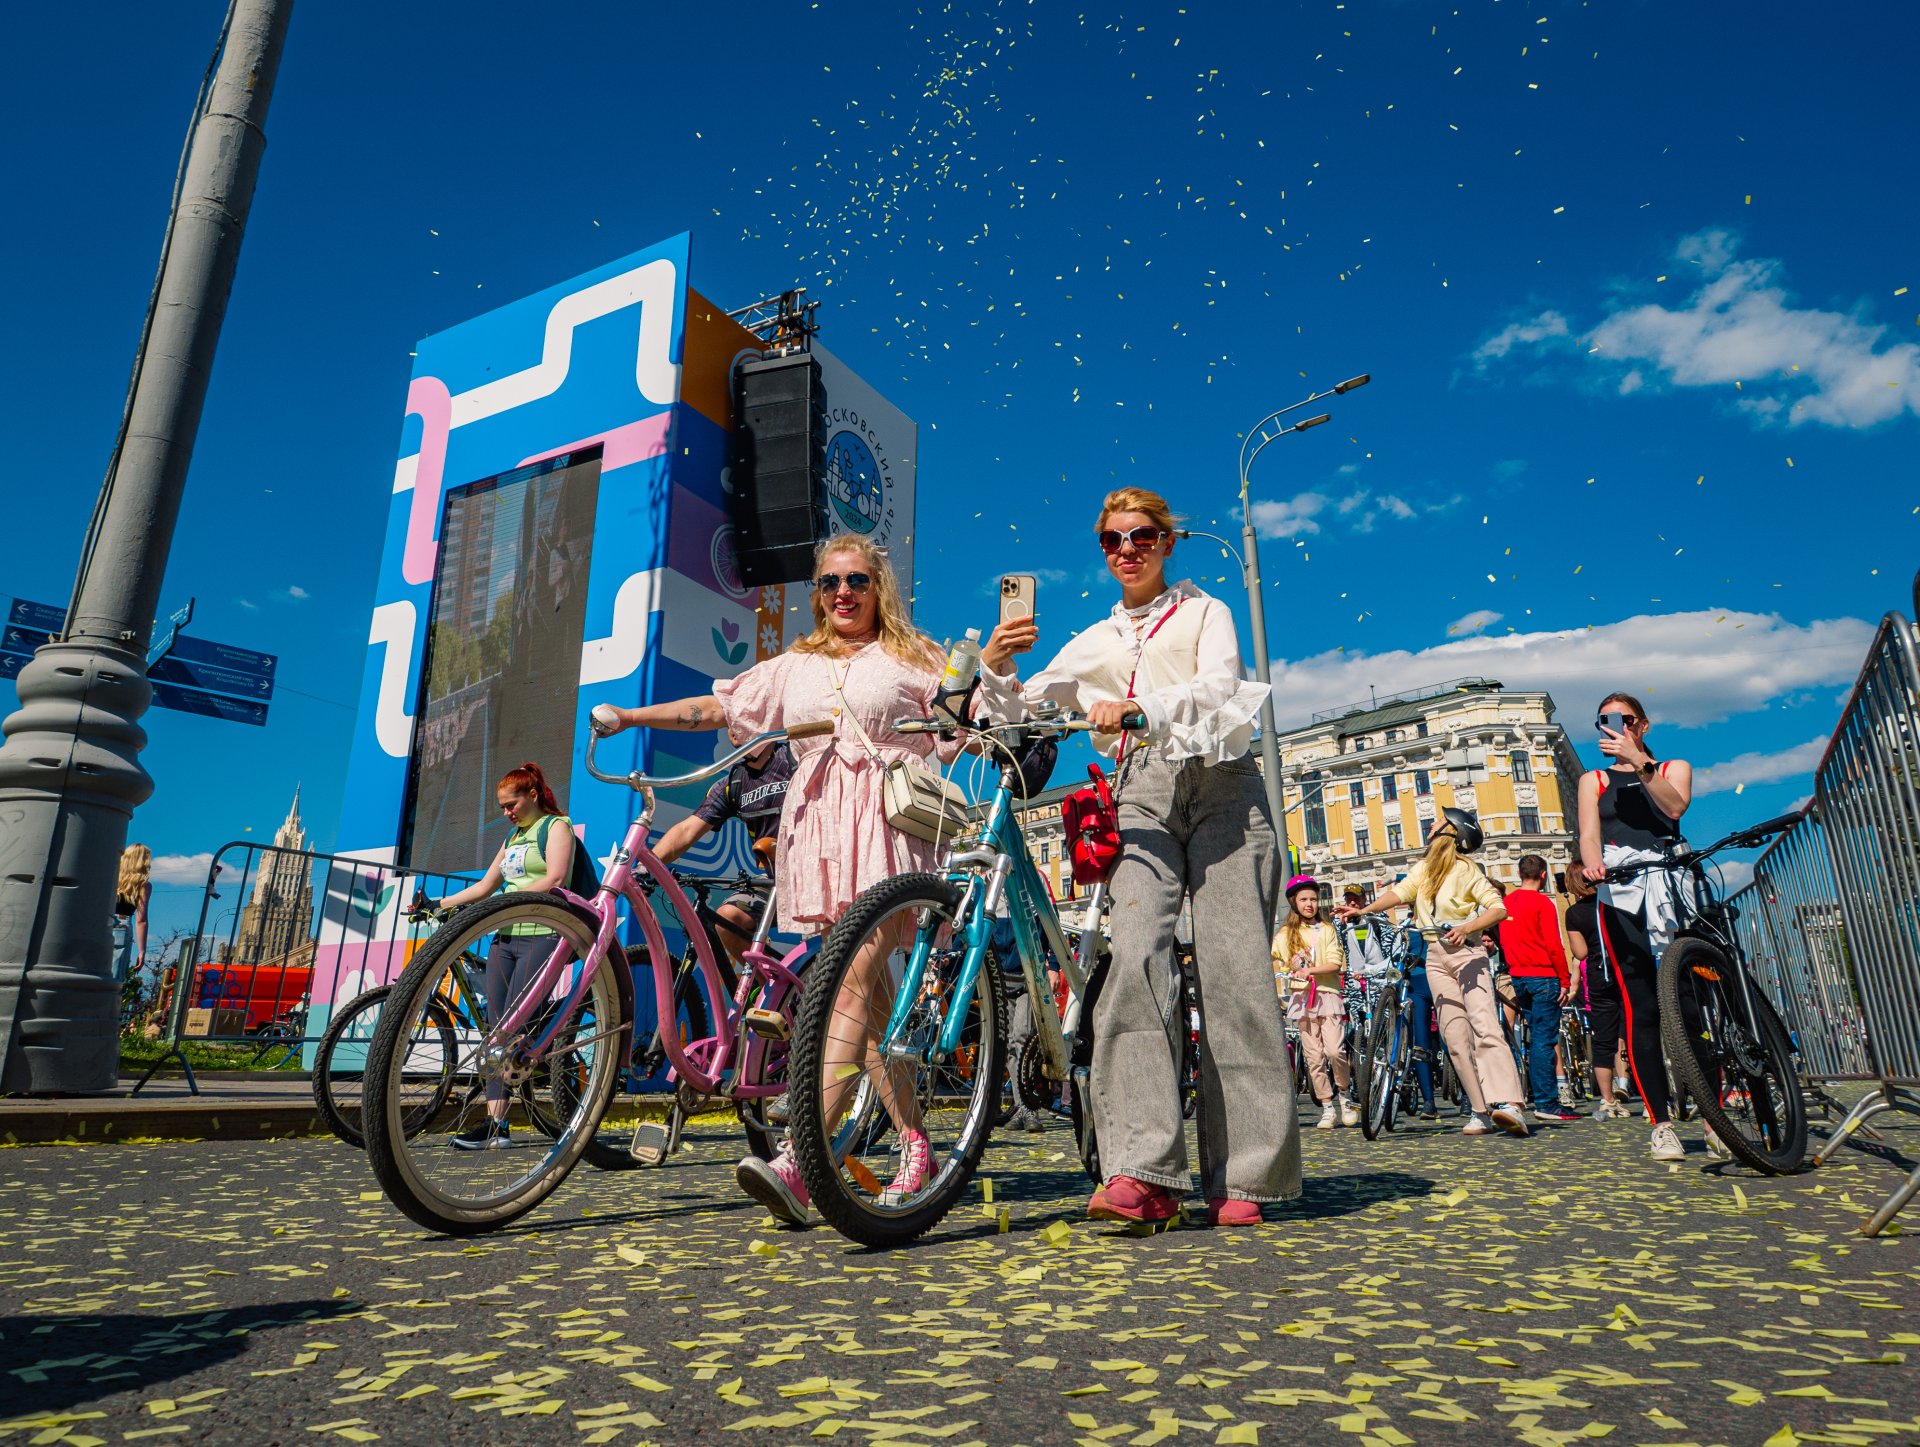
70 774
1256 601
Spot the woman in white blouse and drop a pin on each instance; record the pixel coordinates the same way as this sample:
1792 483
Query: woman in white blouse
1194 822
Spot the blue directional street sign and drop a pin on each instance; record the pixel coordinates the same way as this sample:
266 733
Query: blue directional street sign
214 680
212 705
42 616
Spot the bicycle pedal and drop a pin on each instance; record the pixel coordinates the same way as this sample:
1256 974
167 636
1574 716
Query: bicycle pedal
769 1024
653 1142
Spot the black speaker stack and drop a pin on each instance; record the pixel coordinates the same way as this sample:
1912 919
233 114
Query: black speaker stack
779 467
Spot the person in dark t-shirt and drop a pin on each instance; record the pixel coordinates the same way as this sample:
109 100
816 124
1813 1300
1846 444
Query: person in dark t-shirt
752 791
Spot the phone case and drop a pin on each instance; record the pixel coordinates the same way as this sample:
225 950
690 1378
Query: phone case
1017 592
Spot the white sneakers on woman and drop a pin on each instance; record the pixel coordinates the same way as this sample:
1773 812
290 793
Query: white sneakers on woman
1666 1143
1340 1112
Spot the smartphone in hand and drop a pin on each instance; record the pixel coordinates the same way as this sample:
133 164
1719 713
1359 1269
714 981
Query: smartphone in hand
1017 593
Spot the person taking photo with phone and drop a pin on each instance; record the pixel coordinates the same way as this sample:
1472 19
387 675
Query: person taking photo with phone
1193 824
1629 813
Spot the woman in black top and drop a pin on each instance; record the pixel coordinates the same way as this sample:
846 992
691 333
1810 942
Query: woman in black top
1601 991
1634 805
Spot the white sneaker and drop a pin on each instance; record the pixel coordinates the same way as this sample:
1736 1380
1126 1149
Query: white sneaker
1666 1143
1477 1124
1349 1112
1563 1091
1716 1147
1329 1117
1510 1118
1607 1110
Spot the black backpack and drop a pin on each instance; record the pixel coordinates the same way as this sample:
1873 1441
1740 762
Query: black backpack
583 876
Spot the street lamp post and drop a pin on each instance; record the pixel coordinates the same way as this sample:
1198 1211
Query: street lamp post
1256 602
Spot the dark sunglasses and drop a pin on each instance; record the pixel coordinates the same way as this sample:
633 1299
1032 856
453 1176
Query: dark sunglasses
830 582
1144 540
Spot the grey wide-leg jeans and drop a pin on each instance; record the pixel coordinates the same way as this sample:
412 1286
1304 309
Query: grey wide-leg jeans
1204 831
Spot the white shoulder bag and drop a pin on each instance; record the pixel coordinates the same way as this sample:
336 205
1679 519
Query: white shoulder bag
917 800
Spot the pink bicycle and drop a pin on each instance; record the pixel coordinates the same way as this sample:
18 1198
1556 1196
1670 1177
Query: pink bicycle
468 1128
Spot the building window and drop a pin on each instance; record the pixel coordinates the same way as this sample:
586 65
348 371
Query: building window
1389 787
1522 768
1396 841
1422 783
1314 807
1393 736
1362 842
1420 729
1360 744
1046 852
1426 831
1357 794
1529 821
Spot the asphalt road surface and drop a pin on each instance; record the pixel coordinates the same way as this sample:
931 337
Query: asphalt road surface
1427 1288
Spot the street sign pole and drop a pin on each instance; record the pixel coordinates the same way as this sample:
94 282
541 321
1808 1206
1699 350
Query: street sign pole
70 772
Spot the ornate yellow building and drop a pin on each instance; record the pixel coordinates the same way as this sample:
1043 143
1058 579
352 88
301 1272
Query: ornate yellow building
1364 784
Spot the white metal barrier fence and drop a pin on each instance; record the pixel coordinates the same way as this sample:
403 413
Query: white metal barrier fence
1832 918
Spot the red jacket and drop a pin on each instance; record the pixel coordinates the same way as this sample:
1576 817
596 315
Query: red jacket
1530 937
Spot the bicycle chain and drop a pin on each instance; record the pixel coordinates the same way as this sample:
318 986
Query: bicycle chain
1030 1084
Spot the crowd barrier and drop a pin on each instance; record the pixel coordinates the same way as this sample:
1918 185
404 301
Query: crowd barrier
1832 917
293 934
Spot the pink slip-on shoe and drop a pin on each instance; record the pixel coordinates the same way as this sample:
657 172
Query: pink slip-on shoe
1229 1211
1125 1199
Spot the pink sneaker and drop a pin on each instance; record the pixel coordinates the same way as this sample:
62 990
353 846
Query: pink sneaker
916 1168
776 1184
1230 1211
1125 1199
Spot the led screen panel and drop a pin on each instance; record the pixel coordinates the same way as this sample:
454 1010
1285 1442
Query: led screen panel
500 676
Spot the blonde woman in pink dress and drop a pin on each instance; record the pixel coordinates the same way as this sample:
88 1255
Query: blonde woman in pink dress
863 655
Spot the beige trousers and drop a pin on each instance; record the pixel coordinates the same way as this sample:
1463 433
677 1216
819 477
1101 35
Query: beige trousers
1327 1064
1462 984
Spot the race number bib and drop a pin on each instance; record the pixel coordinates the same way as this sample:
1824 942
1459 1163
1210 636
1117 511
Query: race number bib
513 864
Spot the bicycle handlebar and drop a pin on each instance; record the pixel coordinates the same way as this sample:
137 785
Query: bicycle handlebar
1680 857
1066 724
638 780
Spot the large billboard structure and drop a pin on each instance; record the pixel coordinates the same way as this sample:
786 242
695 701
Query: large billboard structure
558 536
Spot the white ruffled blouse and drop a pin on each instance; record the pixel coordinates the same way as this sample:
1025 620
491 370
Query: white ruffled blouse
1191 684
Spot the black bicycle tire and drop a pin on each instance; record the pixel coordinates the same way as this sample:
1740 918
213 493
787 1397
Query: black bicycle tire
812 1149
348 1130
1371 1080
1772 1040
383 1151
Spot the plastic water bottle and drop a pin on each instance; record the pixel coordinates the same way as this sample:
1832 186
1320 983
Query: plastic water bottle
963 663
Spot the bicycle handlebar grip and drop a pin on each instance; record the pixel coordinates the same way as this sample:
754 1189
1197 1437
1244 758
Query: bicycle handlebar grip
1773 826
1134 721
604 719
810 730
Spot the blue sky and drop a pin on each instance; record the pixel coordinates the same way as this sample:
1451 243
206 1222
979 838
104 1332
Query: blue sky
1628 279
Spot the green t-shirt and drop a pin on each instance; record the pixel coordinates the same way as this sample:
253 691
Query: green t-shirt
523 864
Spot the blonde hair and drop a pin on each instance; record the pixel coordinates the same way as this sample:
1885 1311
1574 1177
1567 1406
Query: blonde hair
1141 500
1293 932
895 629
136 869
1442 853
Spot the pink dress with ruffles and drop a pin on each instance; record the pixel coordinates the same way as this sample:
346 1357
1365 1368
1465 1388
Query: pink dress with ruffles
834 837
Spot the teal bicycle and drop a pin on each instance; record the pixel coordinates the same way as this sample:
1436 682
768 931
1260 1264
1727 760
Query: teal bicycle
903 1026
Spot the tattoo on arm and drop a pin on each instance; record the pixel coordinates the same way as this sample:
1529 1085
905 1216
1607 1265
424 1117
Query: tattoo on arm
691 715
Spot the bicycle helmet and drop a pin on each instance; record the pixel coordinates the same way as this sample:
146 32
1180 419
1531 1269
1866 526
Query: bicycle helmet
1466 829
1300 882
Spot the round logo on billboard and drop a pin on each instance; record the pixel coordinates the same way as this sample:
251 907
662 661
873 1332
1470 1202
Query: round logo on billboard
854 483
723 555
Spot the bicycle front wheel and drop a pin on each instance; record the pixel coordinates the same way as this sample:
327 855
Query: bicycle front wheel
340 1065
1735 1062
1380 1066
855 1109
525 1107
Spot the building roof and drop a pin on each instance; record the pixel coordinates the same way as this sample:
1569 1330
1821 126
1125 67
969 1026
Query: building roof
1368 720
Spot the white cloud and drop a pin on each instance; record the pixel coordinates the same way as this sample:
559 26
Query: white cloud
1794 364
1735 875
1275 519
295 591
1689 669
181 868
1760 768
1547 326
248 604
1473 622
